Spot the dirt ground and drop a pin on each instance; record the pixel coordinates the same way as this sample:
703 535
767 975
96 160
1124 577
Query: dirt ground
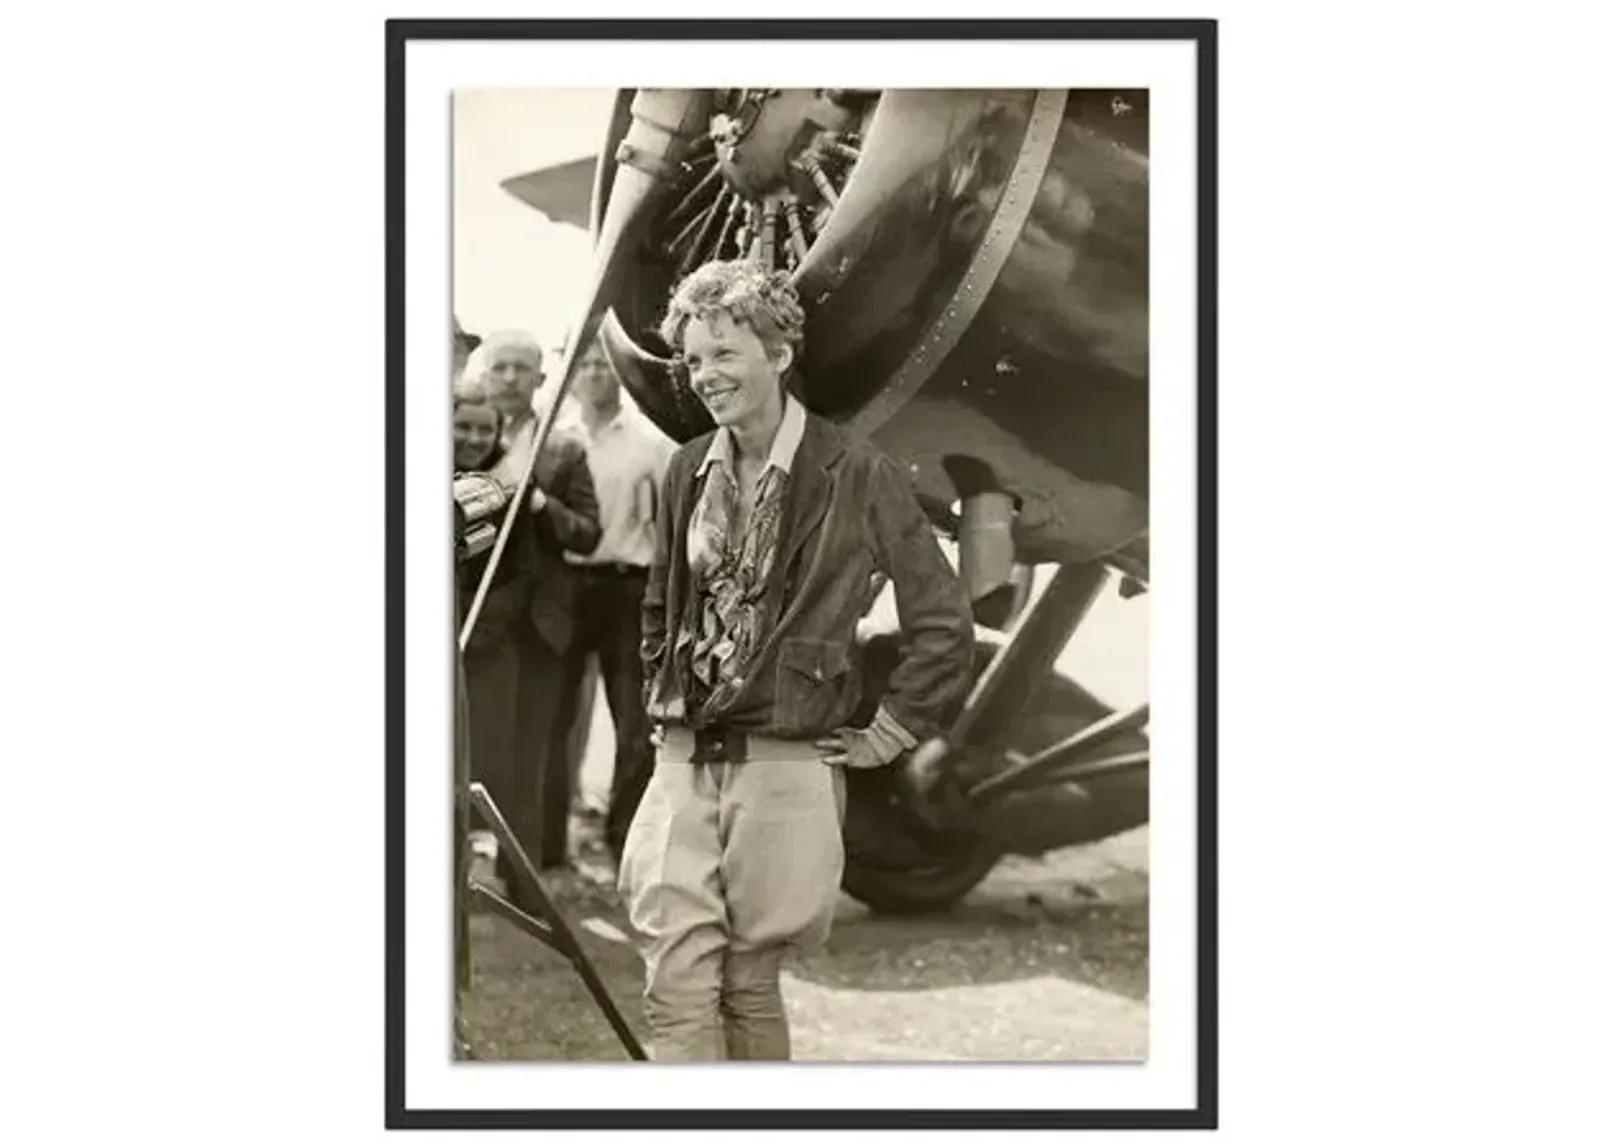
1046 960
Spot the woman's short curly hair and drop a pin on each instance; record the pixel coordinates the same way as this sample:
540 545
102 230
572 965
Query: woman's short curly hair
766 303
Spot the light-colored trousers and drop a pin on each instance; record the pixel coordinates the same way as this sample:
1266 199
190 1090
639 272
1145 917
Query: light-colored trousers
728 868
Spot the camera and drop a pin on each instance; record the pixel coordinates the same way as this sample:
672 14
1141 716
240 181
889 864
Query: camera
480 512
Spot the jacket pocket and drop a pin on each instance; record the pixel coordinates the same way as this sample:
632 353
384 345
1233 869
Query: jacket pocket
815 678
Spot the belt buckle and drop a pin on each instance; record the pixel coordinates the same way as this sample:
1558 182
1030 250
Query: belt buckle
712 744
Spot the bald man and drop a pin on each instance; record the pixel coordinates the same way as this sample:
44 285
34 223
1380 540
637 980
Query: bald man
562 516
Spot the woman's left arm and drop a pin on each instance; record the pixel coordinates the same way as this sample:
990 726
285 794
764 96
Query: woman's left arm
570 514
936 623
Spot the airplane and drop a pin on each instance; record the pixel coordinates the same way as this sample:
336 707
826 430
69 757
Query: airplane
974 267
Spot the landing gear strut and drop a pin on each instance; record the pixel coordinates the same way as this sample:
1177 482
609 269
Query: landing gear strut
545 924
1032 763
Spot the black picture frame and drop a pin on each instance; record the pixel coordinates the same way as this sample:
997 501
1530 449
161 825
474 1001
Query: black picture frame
1204 1115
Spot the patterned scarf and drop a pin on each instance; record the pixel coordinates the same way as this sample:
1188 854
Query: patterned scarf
733 567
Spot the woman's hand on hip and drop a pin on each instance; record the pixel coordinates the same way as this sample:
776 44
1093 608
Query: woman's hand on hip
857 749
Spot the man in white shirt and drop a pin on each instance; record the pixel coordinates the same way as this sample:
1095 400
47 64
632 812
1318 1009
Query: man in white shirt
627 458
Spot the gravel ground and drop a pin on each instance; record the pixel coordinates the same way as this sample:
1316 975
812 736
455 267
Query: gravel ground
1047 960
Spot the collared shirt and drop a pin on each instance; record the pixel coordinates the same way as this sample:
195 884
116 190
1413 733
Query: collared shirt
516 444
733 548
627 459
790 430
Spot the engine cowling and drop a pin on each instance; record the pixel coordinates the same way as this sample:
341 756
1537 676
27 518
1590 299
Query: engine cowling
974 268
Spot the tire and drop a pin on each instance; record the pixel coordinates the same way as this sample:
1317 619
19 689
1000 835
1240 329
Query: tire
903 892
895 865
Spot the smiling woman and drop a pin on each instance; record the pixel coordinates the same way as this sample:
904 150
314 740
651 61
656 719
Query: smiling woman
776 532
740 331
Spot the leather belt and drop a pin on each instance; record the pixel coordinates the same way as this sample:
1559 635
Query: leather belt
725 744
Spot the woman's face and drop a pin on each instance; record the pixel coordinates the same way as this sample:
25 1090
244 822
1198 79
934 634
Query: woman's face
729 369
475 428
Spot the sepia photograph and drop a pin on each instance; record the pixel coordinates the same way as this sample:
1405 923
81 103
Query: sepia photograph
801 485
796 694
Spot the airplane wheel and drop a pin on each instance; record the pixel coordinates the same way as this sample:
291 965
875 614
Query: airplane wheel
931 889
896 865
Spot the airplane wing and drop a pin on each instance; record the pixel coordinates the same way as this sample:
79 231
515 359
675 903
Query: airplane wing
562 193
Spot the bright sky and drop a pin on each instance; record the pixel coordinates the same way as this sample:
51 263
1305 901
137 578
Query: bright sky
513 266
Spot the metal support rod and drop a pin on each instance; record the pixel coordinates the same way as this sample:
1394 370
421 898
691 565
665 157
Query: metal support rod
769 234
1005 688
560 935
692 258
533 926
689 199
695 226
797 236
750 233
1046 760
819 179
1079 772
735 208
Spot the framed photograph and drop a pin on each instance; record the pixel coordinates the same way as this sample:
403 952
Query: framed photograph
798 496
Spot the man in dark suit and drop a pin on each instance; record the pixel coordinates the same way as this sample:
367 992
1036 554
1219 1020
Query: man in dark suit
559 515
